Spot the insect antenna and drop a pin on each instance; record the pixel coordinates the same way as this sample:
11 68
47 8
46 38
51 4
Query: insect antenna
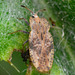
26 8
40 10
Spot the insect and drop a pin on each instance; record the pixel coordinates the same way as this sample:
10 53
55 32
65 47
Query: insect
41 47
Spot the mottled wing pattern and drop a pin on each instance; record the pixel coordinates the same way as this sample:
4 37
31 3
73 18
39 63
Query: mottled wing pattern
41 46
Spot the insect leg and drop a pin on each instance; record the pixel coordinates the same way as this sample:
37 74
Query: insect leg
24 20
25 43
19 31
53 23
29 70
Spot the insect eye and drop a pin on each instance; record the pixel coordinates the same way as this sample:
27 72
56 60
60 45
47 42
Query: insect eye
33 17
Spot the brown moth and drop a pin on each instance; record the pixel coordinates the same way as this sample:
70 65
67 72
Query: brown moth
41 46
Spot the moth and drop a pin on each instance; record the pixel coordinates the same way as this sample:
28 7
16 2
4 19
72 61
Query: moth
41 47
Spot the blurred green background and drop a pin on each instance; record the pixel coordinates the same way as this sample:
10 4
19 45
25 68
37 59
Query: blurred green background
61 11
